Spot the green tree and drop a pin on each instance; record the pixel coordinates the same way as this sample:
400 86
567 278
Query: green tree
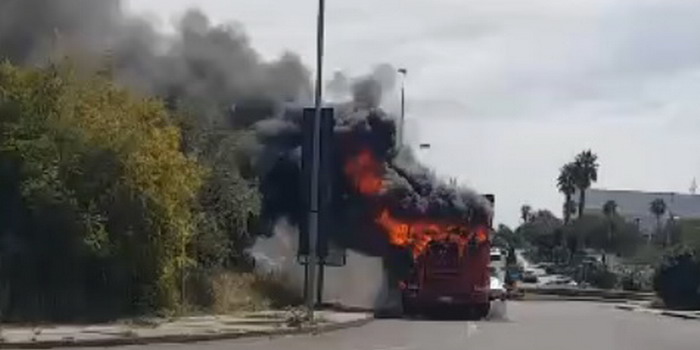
569 209
566 183
505 237
677 279
689 233
585 171
229 206
543 231
657 207
100 192
610 211
593 231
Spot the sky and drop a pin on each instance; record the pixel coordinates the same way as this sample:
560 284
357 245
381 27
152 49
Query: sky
507 91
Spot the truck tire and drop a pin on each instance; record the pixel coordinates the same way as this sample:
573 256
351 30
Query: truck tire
482 310
409 308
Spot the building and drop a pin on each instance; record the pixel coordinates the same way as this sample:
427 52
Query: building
634 206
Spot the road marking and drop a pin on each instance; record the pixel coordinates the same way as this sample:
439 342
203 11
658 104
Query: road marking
471 329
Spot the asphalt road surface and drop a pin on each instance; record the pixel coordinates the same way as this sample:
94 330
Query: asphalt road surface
543 325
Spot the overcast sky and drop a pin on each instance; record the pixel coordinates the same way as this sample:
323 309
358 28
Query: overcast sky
507 91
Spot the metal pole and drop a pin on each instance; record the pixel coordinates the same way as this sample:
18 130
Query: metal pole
313 212
319 289
403 113
403 72
306 279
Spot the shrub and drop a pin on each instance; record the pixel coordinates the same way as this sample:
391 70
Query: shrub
96 197
677 279
600 277
636 279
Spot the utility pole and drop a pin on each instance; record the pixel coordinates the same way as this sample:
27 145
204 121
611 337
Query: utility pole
319 285
402 121
313 226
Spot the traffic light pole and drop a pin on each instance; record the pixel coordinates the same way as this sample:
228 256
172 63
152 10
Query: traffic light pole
319 286
315 167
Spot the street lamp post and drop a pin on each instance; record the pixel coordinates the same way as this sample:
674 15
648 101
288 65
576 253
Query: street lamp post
402 121
313 226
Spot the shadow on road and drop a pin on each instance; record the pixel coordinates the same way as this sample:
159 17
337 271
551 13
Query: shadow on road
497 312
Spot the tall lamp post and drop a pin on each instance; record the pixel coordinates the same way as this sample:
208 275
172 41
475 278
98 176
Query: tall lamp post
315 167
402 121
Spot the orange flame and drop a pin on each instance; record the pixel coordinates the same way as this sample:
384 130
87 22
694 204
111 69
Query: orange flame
366 172
418 234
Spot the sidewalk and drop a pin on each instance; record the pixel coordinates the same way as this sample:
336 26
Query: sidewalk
181 330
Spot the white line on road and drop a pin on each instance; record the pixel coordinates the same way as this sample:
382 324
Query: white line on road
471 329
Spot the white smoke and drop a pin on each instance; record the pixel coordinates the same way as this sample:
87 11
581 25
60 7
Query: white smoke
359 283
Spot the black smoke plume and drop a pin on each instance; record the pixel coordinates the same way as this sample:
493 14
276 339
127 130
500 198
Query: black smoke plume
211 73
202 68
411 190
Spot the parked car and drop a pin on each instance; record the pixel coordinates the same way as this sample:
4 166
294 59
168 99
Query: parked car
497 285
530 276
497 289
560 280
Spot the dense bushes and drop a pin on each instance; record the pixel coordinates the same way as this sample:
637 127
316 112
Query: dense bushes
601 277
677 279
636 278
96 196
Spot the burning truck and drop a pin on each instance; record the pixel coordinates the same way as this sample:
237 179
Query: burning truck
432 236
445 258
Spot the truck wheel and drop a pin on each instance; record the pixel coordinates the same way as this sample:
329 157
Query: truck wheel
409 309
482 310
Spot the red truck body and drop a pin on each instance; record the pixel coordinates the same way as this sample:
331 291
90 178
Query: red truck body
452 272
446 276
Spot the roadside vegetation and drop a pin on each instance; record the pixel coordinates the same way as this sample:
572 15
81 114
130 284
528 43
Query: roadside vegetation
112 206
604 250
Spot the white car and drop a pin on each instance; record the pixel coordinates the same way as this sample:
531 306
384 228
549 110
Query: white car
497 289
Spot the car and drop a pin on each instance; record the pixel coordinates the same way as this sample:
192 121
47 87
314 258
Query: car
497 289
559 280
530 277
498 259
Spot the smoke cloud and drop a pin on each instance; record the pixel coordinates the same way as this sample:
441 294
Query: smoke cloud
202 67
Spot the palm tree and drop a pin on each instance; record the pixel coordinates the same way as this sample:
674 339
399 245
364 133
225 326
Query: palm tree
658 208
525 213
585 173
569 209
566 183
610 211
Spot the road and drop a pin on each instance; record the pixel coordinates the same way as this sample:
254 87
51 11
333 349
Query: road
529 326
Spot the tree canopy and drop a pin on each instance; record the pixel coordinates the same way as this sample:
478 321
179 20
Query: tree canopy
97 193
585 172
566 183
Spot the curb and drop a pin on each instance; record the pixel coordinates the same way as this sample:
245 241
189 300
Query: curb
186 338
553 297
679 315
666 313
589 293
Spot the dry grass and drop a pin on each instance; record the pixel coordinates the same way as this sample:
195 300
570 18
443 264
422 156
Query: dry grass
235 292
